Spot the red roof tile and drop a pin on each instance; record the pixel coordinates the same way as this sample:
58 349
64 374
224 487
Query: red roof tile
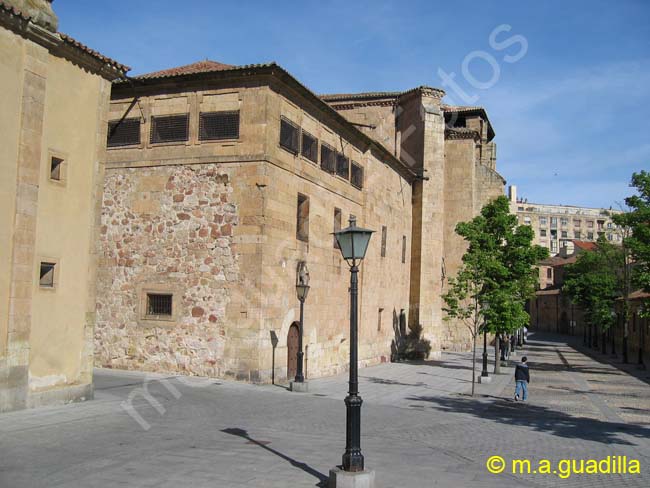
585 245
205 66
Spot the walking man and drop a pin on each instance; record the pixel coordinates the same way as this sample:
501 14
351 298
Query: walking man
522 378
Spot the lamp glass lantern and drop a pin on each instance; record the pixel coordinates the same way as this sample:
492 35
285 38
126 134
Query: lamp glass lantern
353 241
302 281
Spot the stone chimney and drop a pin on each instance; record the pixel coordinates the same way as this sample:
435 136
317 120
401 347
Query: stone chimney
39 10
512 193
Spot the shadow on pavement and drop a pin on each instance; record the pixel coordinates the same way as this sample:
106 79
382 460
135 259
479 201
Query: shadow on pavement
540 418
322 479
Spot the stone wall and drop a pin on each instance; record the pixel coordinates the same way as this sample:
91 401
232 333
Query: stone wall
166 228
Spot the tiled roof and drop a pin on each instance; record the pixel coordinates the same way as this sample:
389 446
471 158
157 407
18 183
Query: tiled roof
105 59
11 10
639 294
359 96
585 245
558 261
206 66
460 108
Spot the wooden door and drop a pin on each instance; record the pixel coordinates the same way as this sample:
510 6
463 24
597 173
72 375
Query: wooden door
292 350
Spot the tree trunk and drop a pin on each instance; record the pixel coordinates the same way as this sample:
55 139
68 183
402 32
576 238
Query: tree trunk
474 364
604 342
595 344
624 345
497 355
613 334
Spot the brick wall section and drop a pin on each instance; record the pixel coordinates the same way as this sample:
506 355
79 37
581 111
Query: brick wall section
168 226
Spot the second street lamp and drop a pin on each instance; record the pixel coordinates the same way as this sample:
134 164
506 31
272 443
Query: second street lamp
302 289
353 243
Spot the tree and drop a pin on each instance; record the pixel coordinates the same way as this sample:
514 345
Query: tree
594 281
637 242
497 276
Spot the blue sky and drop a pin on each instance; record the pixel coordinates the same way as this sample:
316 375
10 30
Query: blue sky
571 115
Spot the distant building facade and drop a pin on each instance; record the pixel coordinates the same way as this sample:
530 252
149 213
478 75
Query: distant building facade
556 226
221 179
54 97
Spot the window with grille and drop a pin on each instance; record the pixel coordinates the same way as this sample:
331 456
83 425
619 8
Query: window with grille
159 304
214 126
170 128
338 215
46 275
309 147
289 135
302 218
327 158
342 166
124 132
356 176
384 235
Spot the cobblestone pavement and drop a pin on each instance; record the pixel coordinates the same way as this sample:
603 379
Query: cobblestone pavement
420 428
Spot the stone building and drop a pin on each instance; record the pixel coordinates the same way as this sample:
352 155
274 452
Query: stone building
557 226
54 97
221 179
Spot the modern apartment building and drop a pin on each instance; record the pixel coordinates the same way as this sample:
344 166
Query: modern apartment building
556 226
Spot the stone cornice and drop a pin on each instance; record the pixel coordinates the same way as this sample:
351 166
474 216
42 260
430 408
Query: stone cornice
456 133
353 105
61 45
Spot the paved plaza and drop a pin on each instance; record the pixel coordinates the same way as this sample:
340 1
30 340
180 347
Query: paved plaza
420 428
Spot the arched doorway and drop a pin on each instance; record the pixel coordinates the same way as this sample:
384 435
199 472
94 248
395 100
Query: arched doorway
292 350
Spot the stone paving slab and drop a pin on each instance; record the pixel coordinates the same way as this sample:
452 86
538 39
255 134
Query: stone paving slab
419 430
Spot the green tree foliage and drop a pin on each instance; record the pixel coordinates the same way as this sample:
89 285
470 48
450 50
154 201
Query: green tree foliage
595 280
638 221
497 275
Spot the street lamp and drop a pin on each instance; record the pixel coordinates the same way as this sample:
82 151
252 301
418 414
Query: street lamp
302 289
353 243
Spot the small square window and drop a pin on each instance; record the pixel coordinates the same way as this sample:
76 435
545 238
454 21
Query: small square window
309 147
338 215
302 218
356 175
56 168
124 132
327 158
46 275
170 128
214 126
159 304
342 166
289 135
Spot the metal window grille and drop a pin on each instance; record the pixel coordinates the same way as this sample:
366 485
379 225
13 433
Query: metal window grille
356 177
170 128
327 158
218 125
302 218
342 166
309 147
384 235
159 304
124 132
55 168
289 135
46 275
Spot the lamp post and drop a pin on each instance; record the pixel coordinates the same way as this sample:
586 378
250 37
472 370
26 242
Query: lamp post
484 372
302 289
353 244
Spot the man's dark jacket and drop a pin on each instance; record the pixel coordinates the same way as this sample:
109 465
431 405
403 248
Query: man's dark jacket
521 373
